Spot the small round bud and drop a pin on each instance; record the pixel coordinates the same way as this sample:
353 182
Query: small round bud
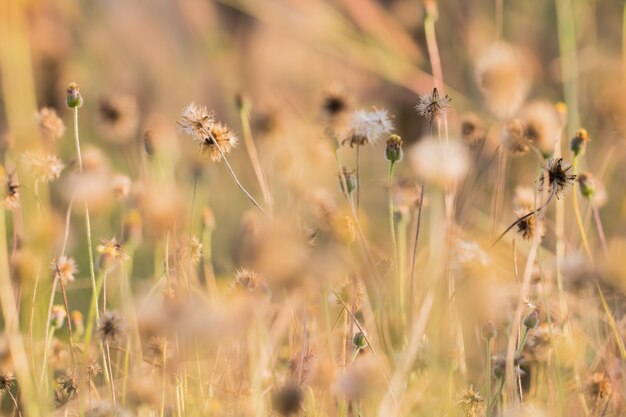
587 184
489 330
532 320
73 98
349 180
578 145
358 341
393 151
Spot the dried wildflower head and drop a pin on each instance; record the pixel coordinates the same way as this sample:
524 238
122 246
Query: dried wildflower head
6 380
111 326
350 293
542 125
57 316
68 382
539 342
221 135
118 117
599 385
50 124
439 163
579 142
299 364
473 130
503 76
73 97
64 268
250 281
393 151
559 176
191 250
472 402
529 226
45 167
11 189
111 252
344 229
288 399
368 127
514 137
196 121
467 253
433 106
121 186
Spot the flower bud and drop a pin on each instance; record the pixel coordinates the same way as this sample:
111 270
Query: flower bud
489 330
349 180
74 98
578 145
358 341
532 320
587 184
393 151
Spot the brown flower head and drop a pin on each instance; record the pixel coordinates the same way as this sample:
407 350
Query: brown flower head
559 176
64 268
50 124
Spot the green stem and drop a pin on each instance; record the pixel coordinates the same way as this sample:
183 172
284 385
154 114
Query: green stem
393 239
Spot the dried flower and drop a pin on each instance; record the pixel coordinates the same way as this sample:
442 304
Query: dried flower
335 102
393 151
50 124
191 250
73 97
250 281
599 385
529 225
472 402
433 106
12 196
222 135
45 167
559 177
68 382
6 380
121 186
197 121
111 326
64 268
369 127
111 252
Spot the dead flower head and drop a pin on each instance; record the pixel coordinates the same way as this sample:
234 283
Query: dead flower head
111 326
64 268
369 127
50 124
45 167
433 106
559 176
118 117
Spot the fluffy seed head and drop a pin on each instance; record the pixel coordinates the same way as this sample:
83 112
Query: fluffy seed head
196 121
472 129
50 124
514 137
111 326
45 167
222 135
369 127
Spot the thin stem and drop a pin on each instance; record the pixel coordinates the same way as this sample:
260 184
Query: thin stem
488 388
579 222
393 238
237 179
254 157
358 177
413 260
601 235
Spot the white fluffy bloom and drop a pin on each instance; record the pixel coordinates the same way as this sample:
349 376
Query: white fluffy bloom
46 167
438 162
369 126
196 121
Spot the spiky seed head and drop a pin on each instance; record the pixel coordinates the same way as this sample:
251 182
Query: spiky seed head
369 127
50 124
560 177
433 106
